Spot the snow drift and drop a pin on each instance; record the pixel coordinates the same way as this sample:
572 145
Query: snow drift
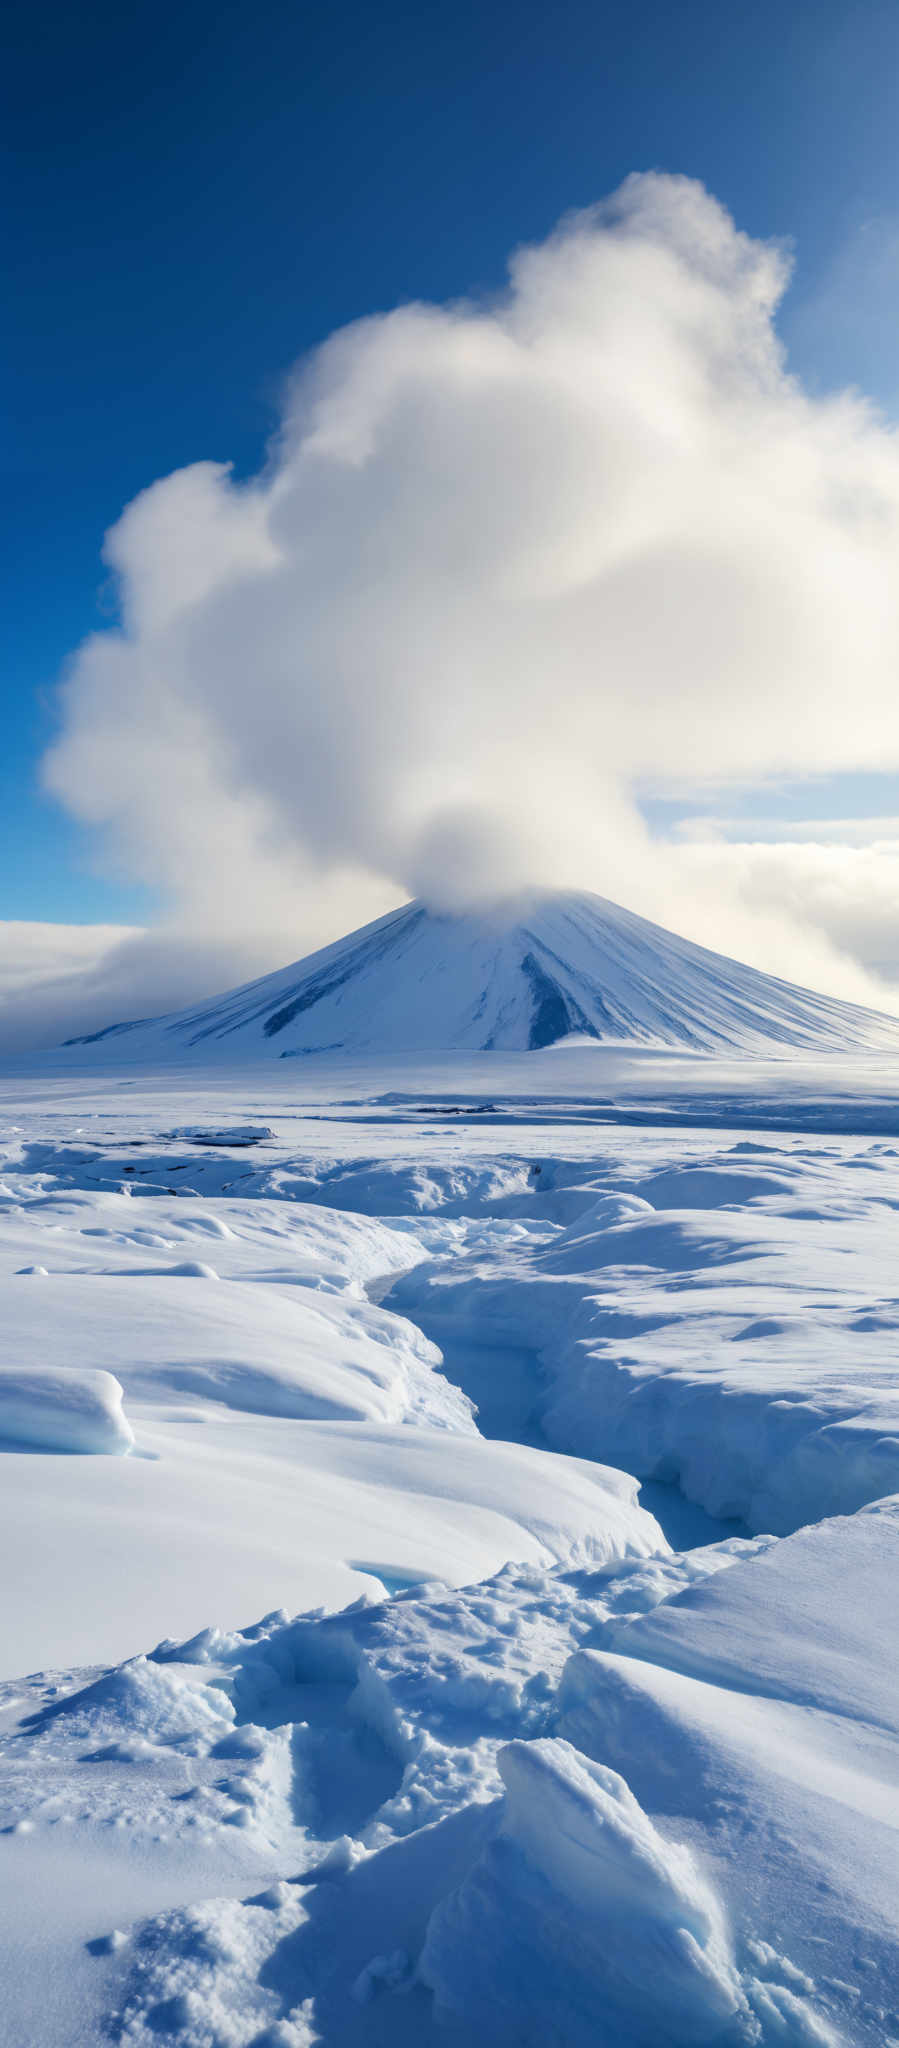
512 980
579 1890
63 1409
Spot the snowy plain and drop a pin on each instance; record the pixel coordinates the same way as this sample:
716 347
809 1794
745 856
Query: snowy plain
451 1538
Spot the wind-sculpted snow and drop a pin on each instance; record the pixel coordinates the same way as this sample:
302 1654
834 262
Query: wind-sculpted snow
301 1353
784 1621
742 1344
577 1890
499 1766
216 1513
56 1409
524 976
288 1431
456 1859
769 1718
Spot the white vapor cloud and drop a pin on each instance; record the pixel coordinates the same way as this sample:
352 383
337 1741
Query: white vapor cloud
878 833
32 953
45 970
843 896
506 562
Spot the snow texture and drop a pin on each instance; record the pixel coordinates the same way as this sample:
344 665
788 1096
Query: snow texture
517 1755
577 1888
524 976
63 1410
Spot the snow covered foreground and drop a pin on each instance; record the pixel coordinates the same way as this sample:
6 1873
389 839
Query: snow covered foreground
501 1762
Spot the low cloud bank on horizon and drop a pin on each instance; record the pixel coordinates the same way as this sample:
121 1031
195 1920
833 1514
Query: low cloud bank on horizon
507 564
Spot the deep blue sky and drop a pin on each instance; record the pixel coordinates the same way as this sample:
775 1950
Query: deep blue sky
201 193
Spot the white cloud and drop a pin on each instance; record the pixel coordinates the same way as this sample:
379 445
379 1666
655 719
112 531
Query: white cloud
45 971
32 953
815 831
838 901
505 563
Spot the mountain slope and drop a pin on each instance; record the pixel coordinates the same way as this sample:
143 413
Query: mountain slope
419 980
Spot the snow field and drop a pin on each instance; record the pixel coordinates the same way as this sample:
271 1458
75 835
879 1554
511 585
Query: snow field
311 1356
563 1785
742 1344
678 1291
457 1861
764 1726
238 1491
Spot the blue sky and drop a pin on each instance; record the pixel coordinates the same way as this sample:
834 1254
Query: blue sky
202 194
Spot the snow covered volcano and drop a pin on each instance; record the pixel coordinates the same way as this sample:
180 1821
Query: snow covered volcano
567 965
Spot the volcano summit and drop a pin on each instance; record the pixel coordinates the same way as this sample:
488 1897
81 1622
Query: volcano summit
566 965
